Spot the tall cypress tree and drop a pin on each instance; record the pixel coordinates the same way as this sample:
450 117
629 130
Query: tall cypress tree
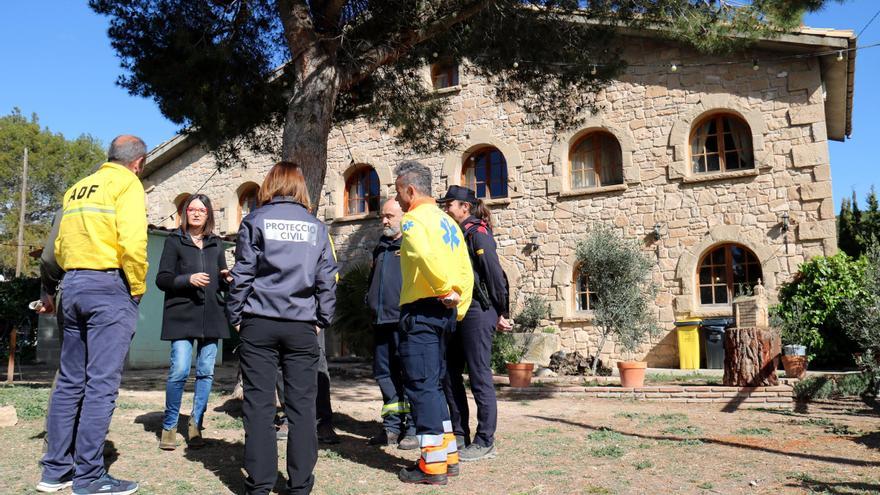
870 222
846 230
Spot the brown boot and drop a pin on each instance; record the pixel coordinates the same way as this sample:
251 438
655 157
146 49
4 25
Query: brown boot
168 440
195 435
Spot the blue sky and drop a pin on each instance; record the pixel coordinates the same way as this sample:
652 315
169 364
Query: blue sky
58 63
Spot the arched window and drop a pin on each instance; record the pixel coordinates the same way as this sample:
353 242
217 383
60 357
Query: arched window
247 199
596 160
444 74
725 271
584 299
485 172
178 204
720 143
362 191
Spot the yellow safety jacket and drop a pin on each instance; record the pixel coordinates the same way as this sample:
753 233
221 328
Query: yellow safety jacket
433 256
104 225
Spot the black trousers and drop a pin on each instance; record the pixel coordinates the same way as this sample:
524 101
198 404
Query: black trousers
266 344
322 402
471 345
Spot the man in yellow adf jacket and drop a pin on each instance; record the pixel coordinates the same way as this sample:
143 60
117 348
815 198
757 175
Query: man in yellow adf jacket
437 289
102 247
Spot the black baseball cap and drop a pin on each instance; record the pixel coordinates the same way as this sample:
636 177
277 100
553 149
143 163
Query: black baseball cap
459 193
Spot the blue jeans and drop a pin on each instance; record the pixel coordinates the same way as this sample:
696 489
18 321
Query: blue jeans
389 375
99 322
181 358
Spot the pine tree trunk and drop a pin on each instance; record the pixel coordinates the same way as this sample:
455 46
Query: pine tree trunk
750 357
309 120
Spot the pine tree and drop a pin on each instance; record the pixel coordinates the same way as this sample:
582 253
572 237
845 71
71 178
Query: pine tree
230 70
846 230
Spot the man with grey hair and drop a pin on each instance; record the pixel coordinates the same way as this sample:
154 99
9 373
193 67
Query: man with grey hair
437 285
102 248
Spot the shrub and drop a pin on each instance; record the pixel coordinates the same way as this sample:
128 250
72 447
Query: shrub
809 305
830 387
861 319
619 274
353 318
15 295
505 347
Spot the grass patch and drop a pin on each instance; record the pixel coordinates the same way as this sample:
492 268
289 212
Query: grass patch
643 465
736 475
597 490
329 454
683 431
823 422
606 435
612 451
647 419
706 485
228 423
754 432
30 403
832 387
842 430
781 412
524 403
555 472
125 405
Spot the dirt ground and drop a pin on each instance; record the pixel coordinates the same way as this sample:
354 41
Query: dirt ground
546 446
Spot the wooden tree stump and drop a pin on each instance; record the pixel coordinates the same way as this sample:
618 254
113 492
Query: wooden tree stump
751 357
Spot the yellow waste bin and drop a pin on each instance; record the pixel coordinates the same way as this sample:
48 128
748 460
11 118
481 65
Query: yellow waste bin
688 330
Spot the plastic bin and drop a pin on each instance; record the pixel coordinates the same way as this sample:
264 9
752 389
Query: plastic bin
713 340
688 343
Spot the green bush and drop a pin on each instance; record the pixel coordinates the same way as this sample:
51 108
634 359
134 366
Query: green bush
15 295
829 386
810 303
861 319
505 347
353 320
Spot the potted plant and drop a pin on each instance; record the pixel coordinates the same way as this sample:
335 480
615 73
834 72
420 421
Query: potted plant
508 349
795 332
619 274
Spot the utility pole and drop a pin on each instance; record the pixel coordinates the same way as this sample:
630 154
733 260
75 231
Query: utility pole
20 252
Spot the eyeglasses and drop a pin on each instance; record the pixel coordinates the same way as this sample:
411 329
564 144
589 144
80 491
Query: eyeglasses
191 209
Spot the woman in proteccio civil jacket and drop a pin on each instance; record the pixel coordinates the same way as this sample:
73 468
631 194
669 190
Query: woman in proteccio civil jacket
192 273
283 293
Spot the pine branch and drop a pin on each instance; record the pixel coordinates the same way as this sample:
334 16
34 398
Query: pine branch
399 44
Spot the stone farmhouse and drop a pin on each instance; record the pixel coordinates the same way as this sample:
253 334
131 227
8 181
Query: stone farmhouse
718 165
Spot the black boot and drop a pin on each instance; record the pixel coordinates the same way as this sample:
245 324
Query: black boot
413 474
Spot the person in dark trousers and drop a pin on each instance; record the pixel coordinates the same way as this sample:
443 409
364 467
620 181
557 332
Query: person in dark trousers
383 298
437 285
323 407
192 273
282 294
471 344
102 248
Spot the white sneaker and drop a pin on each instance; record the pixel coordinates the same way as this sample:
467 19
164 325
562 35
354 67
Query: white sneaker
52 486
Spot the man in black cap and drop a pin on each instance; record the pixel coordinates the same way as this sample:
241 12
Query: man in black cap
471 344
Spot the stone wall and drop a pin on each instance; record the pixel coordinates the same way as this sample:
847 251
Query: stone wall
651 113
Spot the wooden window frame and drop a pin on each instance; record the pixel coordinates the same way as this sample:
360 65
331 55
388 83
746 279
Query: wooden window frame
244 194
470 163
729 283
449 68
597 158
362 171
719 140
578 272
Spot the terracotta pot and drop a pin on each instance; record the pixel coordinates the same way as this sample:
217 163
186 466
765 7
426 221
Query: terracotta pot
632 373
520 374
795 366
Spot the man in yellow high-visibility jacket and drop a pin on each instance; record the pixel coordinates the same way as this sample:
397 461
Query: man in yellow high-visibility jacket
437 289
102 247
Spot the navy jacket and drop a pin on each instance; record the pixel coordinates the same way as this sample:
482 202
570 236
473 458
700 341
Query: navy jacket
284 266
489 277
383 296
